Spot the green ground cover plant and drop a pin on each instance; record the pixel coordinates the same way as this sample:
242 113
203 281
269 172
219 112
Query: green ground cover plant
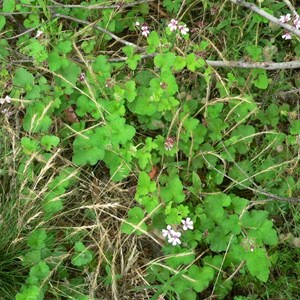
149 150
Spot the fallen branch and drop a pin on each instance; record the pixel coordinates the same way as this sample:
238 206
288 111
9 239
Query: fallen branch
294 64
266 15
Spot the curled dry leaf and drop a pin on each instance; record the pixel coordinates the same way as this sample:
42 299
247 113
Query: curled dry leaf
71 115
153 173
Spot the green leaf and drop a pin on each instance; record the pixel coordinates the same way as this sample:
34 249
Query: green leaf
31 257
176 214
37 239
254 51
38 273
261 81
164 60
118 164
49 141
52 204
219 239
130 90
102 66
149 202
56 61
64 46
23 78
29 146
128 50
199 279
179 63
214 207
82 255
145 185
30 293
132 61
85 106
173 190
36 50
2 22
295 128
259 227
193 63
134 222
87 149
258 264
69 74
36 118
8 6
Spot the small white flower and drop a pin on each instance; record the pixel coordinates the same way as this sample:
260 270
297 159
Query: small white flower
285 19
183 29
145 30
38 33
7 99
174 239
287 36
173 25
168 232
137 23
187 224
296 22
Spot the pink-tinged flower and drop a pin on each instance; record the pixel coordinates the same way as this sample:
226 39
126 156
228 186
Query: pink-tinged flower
187 224
175 238
168 232
285 19
296 22
145 30
183 29
81 76
173 25
287 36
169 143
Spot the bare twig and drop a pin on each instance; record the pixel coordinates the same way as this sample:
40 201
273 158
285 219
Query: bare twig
119 4
100 29
15 13
294 64
25 32
291 7
236 271
266 15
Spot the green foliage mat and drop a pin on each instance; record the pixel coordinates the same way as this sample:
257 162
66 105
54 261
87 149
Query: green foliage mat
122 131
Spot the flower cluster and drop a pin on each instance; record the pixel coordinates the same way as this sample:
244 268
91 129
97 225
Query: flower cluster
295 22
169 143
145 29
173 26
174 236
